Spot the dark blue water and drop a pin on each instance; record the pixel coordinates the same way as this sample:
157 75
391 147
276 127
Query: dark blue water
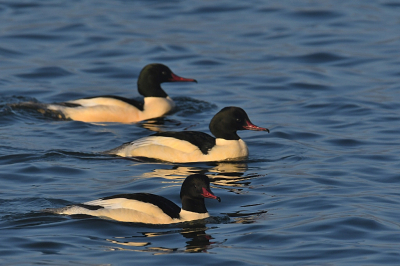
323 188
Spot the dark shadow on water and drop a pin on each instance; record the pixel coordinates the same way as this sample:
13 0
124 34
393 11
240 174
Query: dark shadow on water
186 106
46 72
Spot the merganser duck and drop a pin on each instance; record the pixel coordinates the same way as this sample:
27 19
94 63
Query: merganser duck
194 146
110 108
149 208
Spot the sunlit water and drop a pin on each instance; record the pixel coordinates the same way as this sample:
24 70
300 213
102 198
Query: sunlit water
321 189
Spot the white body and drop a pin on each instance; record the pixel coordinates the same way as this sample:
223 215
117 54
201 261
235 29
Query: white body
103 109
176 150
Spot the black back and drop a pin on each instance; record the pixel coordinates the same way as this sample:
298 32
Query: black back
69 104
89 207
137 104
201 140
167 206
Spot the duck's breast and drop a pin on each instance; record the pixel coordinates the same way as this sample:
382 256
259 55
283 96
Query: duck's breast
192 216
228 149
157 107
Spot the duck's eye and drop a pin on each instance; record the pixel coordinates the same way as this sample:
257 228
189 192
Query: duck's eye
238 120
164 73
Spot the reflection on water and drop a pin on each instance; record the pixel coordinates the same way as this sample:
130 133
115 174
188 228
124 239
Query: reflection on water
128 243
197 240
222 174
159 124
241 217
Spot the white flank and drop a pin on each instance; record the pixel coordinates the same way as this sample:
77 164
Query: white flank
175 150
103 109
124 210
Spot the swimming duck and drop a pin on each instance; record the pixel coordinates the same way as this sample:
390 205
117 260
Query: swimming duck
109 108
149 208
194 146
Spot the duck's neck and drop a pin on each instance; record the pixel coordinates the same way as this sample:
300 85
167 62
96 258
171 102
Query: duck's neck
219 134
194 205
150 88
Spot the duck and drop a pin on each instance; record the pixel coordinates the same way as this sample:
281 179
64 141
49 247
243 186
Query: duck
149 208
110 108
195 146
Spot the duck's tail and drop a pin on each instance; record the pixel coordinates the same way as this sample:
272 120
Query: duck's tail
42 108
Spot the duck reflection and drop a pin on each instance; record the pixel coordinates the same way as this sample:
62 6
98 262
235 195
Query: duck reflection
241 217
160 124
221 173
197 241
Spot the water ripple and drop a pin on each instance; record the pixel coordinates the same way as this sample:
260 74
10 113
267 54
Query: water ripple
46 72
9 52
317 58
315 14
218 9
38 37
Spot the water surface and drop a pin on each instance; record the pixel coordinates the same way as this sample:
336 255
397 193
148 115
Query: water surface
321 189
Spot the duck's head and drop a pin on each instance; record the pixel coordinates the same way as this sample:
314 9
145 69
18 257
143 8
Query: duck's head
152 76
197 186
229 120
